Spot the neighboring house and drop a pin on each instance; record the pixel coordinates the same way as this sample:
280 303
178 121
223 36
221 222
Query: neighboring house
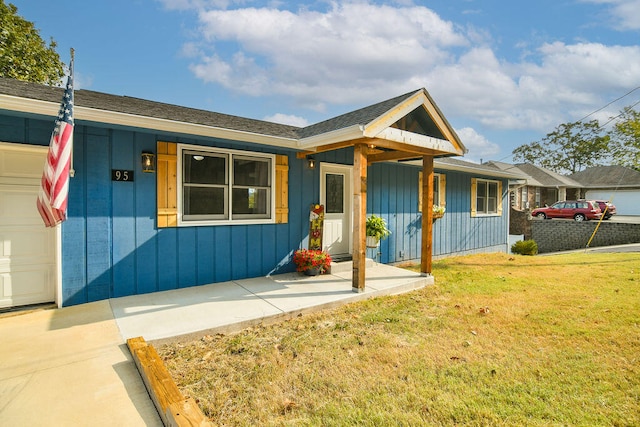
619 184
230 196
540 186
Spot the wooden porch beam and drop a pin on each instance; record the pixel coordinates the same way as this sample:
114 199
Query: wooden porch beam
392 155
426 255
359 216
323 148
400 146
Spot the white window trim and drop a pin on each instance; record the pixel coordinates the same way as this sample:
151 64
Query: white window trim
230 221
498 197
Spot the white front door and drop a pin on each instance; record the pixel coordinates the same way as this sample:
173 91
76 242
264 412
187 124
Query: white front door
27 247
335 195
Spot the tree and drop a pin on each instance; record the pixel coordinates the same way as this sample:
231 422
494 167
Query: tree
23 53
570 148
625 139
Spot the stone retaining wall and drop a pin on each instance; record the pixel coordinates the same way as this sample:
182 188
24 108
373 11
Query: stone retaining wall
561 235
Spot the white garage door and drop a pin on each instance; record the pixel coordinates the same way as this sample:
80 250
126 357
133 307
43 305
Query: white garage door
27 247
627 202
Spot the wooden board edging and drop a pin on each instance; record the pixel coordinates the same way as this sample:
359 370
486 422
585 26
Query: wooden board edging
174 409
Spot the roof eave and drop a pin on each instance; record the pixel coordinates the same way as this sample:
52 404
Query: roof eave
340 135
472 169
46 108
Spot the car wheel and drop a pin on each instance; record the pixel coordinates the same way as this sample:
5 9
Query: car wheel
541 215
579 217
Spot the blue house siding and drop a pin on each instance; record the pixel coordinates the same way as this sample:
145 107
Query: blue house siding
460 233
112 246
392 193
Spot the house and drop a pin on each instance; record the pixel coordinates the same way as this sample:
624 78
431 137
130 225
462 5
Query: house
540 186
619 184
229 197
477 218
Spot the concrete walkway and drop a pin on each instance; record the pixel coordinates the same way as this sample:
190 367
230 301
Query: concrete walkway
71 367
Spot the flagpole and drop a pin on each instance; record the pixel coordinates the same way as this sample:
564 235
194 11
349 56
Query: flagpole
72 171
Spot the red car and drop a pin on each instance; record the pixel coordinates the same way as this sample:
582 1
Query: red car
611 209
579 210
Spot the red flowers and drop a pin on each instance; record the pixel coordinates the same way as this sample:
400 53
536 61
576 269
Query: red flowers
306 259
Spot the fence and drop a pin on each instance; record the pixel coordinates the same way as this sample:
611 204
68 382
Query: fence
561 235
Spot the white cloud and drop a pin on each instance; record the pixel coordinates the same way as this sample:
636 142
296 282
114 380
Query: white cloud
480 148
332 56
287 119
354 53
625 13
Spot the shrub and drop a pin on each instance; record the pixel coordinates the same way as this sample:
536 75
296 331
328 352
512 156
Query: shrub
525 247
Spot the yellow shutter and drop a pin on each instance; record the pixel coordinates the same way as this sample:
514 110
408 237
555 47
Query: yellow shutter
420 191
474 185
282 189
167 184
442 188
500 198
442 191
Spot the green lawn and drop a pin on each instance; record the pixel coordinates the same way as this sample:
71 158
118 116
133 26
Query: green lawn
499 340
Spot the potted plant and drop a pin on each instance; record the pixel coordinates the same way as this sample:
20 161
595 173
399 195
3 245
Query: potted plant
376 230
438 211
312 262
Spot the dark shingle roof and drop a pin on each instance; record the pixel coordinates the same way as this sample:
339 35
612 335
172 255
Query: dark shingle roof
362 116
537 176
141 107
478 167
151 109
607 176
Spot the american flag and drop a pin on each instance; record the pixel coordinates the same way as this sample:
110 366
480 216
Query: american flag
54 187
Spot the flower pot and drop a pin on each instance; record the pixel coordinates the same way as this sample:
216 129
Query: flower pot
372 242
314 271
437 215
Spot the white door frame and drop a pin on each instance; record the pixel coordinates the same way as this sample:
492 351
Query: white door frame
347 170
35 181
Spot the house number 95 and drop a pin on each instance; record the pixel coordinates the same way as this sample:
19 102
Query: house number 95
121 175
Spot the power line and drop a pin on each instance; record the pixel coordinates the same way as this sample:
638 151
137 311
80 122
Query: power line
615 100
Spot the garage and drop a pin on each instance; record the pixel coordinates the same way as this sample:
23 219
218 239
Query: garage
27 247
627 202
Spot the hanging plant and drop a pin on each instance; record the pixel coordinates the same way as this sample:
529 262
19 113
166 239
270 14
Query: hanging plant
377 227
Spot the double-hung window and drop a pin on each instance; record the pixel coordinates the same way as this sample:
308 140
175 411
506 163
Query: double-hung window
486 197
225 186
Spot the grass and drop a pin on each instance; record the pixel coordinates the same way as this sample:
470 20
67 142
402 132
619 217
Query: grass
499 340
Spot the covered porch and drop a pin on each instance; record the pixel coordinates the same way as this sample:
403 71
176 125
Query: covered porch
404 128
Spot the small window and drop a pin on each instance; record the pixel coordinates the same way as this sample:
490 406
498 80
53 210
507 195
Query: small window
220 186
487 197
439 190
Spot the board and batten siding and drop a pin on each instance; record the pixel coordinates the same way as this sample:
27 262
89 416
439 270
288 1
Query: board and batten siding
392 193
112 245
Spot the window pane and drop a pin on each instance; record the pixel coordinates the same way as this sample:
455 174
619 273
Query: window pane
480 205
335 193
492 205
203 168
493 189
204 201
436 190
481 189
251 201
251 172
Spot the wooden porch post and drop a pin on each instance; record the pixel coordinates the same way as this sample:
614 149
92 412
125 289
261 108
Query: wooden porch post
427 216
359 215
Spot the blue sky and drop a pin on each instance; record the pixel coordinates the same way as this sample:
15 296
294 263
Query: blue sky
504 73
